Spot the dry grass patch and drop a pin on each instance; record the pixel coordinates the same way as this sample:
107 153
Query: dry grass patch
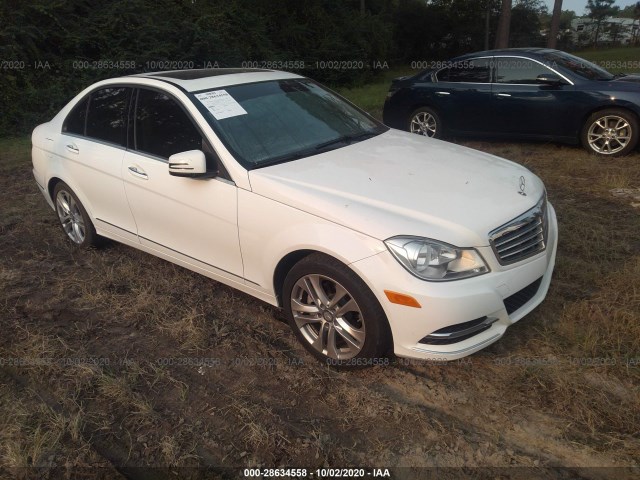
590 322
135 309
34 435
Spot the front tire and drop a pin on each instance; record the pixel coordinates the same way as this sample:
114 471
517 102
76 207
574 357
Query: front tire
425 121
334 314
611 133
74 220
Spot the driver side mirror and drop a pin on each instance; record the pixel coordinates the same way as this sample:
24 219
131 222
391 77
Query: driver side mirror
191 164
550 79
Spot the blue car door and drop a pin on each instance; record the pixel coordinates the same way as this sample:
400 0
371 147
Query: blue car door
461 94
524 106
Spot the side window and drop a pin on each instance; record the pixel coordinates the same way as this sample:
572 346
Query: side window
470 71
518 70
107 116
76 120
162 128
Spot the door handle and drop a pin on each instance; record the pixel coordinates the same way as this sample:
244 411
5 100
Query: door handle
503 95
136 172
72 148
443 93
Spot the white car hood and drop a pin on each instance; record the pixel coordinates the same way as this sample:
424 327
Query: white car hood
403 184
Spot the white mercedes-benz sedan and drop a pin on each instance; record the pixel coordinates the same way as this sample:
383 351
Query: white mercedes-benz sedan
373 241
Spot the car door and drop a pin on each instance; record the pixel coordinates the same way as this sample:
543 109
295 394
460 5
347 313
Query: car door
523 106
191 219
93 142
462 95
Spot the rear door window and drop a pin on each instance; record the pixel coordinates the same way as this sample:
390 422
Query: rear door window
107 115
467 71
76 120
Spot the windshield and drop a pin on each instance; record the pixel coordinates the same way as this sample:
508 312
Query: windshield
277 121
578 65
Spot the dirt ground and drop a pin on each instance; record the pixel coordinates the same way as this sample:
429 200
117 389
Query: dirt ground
116 364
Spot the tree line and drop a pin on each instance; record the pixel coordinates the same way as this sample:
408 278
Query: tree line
50 49
598 12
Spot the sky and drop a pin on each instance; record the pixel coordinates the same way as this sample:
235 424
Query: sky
578 6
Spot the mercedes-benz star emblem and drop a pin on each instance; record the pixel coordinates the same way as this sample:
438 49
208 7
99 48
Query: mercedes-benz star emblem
522 186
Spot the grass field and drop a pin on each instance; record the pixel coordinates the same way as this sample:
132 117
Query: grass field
115 359
616 60
371 97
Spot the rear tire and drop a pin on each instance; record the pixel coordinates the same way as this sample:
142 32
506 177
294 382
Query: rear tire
334 314
73 217
611 133
425 121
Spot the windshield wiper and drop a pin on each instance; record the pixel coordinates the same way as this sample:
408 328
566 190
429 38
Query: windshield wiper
619 75
348 139
288 157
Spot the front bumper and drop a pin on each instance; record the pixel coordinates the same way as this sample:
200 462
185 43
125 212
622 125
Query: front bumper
449 303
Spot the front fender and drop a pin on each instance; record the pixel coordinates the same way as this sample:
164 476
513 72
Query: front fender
269 230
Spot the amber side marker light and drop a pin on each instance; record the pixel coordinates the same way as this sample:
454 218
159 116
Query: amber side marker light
400 299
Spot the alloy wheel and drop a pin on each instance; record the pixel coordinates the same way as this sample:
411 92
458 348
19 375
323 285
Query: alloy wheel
328 317
424 123
609 134
70 217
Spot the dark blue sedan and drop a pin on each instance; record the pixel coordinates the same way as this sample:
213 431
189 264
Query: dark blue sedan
525 93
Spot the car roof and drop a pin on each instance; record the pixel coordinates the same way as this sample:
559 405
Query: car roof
208 78
529 51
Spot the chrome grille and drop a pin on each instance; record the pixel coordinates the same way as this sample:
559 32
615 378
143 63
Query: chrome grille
522 237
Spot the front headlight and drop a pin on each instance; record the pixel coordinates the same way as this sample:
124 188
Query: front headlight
436 261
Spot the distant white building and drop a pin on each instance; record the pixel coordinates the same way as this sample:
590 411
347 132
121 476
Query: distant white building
612 30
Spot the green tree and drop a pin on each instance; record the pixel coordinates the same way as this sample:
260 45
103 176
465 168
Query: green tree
443 28
629 11
565 39
526 23
614 30
63 34
598 11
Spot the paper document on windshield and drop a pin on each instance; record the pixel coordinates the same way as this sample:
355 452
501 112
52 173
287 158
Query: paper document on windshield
221 104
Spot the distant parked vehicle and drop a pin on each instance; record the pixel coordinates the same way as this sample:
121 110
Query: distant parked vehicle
610 31
526 93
